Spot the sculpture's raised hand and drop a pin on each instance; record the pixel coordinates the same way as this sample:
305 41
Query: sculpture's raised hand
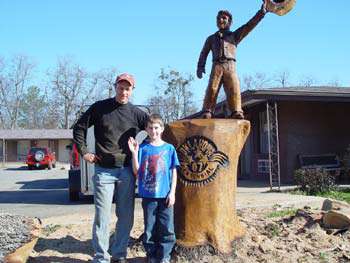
200 72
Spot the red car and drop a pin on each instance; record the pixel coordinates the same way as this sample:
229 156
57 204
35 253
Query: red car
41 157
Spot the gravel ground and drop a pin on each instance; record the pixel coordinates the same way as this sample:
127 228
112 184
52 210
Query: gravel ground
14 232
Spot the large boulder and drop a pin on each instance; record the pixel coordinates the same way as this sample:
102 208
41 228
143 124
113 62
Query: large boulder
337 214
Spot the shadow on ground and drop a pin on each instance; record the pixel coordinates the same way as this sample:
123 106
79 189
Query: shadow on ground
21 168
70 245
54 197
65 245
44 184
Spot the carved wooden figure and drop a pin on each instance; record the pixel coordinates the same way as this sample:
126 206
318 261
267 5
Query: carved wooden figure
223 45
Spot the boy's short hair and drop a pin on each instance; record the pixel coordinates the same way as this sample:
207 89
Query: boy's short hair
226 13
155 118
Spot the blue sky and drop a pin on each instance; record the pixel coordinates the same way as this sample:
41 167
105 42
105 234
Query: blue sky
141 37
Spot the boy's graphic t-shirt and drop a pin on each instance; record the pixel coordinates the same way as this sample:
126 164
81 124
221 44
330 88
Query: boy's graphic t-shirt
156 164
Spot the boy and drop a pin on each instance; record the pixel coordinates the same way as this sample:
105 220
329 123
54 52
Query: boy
155 162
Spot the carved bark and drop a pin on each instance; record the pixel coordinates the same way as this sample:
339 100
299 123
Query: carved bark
205 211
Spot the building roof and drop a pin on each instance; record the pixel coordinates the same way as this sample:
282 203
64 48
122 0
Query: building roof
314 93
318 93
36 134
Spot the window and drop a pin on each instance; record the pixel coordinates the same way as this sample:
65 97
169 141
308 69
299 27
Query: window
263 132
263 166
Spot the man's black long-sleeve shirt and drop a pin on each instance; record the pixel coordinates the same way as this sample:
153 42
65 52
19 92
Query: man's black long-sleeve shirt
113 124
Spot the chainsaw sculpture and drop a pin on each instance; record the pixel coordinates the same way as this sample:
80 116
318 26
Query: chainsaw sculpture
209 149
223 46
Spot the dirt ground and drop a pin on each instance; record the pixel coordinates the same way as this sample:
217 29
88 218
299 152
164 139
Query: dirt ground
270 237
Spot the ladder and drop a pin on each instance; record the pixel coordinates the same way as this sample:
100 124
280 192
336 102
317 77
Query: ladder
273 146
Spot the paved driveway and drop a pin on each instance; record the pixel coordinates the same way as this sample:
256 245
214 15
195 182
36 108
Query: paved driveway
255 194
43 193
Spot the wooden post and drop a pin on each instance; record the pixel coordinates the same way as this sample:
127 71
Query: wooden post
205 210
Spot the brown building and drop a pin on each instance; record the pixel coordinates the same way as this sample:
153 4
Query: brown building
287 123
18 142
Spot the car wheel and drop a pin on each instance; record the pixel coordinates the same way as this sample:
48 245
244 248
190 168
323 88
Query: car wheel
30 167
73 196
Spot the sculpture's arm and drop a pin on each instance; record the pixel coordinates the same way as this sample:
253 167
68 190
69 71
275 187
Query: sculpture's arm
203 58
244 30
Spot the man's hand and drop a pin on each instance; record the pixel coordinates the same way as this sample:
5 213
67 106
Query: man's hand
90 157
133 145
200 72
170 200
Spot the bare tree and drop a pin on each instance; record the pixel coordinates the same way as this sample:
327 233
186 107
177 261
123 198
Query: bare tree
71 89
257 81
174 100
334 83
14 77
103 81
307 81
2 83
282 78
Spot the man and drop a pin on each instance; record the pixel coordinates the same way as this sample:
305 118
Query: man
223 45
114 121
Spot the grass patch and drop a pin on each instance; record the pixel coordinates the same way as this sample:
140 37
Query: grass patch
49 229
341 194
282 213
323 257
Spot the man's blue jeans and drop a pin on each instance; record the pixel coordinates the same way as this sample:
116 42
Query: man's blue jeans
121 183
159 236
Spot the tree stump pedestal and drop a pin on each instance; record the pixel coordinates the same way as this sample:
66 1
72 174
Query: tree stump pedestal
205 212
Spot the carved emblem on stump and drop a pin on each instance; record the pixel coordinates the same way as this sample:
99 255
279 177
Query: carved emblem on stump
200 161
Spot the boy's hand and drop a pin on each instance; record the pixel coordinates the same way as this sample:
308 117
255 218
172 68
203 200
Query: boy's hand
170 200
133 145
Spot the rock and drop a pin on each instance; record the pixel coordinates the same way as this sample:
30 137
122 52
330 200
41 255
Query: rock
346 256
266 246
256 239
334 205
18 235
336 220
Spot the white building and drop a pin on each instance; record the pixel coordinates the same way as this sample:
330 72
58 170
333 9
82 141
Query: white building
15 144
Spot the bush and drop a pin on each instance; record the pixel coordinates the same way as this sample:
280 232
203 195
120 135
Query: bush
314 181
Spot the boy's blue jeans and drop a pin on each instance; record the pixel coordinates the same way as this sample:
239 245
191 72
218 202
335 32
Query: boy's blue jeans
121 183
159 236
